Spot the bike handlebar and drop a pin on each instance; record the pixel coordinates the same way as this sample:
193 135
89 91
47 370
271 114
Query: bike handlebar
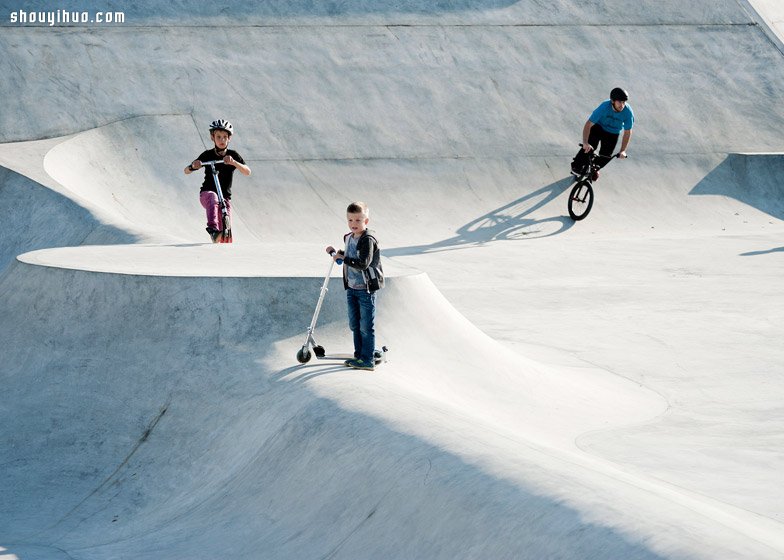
618 155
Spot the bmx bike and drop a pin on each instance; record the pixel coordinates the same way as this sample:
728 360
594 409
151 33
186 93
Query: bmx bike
581 197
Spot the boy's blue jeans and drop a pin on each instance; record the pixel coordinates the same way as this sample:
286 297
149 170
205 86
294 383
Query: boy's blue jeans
361 321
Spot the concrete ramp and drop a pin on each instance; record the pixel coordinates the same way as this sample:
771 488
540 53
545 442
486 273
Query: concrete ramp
198 411
753 179
602 389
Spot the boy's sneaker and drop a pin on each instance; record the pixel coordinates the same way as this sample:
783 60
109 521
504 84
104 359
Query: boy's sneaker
595 175
214 234
347 363
368 365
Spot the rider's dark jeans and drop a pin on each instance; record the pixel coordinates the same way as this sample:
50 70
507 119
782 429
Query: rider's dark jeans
597 136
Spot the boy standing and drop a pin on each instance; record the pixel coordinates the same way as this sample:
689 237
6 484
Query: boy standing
362 277
220 132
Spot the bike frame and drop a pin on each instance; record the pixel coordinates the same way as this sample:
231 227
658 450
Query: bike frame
581 196
593 165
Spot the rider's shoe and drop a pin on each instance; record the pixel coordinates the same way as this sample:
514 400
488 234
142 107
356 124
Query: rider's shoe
215 234
595 175
580 170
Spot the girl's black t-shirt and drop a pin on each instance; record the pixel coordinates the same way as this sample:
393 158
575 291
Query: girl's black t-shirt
225 172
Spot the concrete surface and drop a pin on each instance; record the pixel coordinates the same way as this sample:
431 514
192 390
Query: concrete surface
770 14
603 389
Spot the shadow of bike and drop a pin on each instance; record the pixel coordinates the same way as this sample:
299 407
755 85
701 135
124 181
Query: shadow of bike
512 221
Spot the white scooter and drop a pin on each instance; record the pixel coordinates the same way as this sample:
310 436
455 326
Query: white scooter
304 355
225 235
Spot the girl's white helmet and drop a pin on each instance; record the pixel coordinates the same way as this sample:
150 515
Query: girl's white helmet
222 124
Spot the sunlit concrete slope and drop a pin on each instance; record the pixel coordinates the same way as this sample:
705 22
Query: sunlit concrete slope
463 202
392 102
478 80
201 437
625 403
771 15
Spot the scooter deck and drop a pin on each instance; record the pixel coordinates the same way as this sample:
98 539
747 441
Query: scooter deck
335 357
379 357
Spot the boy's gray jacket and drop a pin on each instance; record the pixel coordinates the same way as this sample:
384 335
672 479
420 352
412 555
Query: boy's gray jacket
369 261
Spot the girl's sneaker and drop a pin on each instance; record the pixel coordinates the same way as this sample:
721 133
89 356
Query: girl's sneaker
215 234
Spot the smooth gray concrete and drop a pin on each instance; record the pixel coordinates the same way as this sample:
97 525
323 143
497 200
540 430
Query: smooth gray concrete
603 389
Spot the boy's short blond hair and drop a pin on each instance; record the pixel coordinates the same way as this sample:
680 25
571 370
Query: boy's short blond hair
358 207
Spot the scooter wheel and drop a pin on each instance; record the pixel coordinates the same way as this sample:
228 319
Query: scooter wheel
378 355
303 356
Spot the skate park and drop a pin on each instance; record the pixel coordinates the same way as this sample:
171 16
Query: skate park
603 389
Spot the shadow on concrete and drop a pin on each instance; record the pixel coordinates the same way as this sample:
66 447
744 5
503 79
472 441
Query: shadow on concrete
767 252
243 460
39 218
513 221
754 179
306 372
326 482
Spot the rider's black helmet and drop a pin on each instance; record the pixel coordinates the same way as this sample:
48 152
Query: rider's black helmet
619 94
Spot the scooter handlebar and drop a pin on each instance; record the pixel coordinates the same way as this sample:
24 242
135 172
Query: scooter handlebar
332 254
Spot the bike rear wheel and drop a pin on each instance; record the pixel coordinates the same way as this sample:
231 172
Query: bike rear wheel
580 200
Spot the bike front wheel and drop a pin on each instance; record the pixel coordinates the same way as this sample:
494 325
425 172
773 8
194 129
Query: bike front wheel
580 200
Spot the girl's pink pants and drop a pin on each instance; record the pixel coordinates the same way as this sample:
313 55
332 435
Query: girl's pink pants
209 200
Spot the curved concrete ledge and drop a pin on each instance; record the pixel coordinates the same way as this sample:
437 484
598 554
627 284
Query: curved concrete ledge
199 260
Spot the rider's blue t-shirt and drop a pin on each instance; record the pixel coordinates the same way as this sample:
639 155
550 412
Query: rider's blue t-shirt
610 120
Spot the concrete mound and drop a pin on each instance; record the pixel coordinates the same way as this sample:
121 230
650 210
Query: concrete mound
625 405
197 409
